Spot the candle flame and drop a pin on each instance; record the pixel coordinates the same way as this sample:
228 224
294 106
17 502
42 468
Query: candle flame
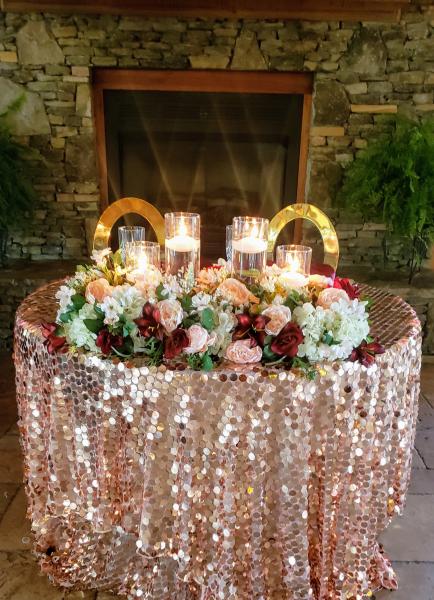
255 231
293 264
182 227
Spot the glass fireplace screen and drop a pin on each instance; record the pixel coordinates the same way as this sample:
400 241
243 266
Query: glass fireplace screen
219 154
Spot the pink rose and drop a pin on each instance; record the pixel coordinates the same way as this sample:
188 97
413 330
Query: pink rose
242 352
235 292
97 290
330 295
171 314
199 339
279 316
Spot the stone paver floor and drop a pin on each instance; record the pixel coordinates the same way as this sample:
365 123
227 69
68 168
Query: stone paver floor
409 541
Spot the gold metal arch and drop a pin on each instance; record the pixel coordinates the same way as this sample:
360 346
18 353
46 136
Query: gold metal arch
123 207
315 216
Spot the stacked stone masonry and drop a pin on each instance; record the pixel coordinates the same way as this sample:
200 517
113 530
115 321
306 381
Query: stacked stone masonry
364 72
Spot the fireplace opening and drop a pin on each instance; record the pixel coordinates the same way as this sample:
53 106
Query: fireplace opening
220 153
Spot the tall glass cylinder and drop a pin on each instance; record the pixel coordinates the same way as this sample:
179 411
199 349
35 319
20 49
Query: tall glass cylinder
182 242
249 247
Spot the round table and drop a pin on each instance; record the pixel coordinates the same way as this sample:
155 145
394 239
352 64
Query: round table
243 483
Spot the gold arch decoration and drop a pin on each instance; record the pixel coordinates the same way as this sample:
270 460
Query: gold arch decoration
315 216
122 207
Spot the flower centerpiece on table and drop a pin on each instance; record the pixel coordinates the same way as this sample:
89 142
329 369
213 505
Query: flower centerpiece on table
209 319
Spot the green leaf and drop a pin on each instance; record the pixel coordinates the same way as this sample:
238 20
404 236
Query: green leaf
190 320
94 325
186 303
161 293
293 299
78 301
207 319
268 355
66 317
207 363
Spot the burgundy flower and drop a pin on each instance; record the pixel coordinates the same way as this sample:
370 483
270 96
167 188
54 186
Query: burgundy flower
286 343
346 284
365 353
107 341
54 343
251 327
149 323
175 343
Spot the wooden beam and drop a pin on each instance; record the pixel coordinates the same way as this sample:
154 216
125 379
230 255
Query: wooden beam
316 10
242 82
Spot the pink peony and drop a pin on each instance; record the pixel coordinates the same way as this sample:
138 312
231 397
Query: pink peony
242 352
236 292
279 316
97 290
330 295
199 339
171 314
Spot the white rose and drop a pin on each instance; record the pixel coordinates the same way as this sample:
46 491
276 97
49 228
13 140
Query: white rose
279 316
171 314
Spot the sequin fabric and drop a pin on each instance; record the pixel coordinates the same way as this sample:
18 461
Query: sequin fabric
240 484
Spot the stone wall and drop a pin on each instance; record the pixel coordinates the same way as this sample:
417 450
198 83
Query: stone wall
363 73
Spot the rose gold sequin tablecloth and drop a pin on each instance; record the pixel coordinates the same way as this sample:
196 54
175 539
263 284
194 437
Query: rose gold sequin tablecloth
241 484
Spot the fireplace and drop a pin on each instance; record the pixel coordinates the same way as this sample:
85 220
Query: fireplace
217 143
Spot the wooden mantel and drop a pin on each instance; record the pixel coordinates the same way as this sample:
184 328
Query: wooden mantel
315 10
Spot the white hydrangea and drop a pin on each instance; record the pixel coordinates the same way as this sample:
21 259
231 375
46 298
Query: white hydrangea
201 300
76 332
346 322
125 300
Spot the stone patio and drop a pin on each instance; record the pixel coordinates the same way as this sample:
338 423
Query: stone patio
409 540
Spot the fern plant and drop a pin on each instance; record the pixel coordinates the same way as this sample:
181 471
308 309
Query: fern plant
393 181
17 196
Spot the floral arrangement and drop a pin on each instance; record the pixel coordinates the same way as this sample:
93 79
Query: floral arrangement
203 321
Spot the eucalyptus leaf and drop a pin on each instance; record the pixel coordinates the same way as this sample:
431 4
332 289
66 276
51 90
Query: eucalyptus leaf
207 319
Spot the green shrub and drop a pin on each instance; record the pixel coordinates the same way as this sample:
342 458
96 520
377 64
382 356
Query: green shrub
392 180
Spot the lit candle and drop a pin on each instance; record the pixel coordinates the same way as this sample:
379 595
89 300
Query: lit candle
182 242
140 257
251 243
249 247
294 260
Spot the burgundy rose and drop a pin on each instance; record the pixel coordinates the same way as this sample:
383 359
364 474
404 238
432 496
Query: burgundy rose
175 343
365 353
252 327
54 343
348 286
149 323
107 341
286 343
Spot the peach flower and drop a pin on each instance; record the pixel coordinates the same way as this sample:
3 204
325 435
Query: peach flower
199 339
171 314
97 290
330 295
279 316
242 353
235 292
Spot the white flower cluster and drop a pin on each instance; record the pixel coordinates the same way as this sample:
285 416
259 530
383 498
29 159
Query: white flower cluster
331 333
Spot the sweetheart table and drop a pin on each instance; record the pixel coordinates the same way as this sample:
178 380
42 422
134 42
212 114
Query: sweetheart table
242 483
